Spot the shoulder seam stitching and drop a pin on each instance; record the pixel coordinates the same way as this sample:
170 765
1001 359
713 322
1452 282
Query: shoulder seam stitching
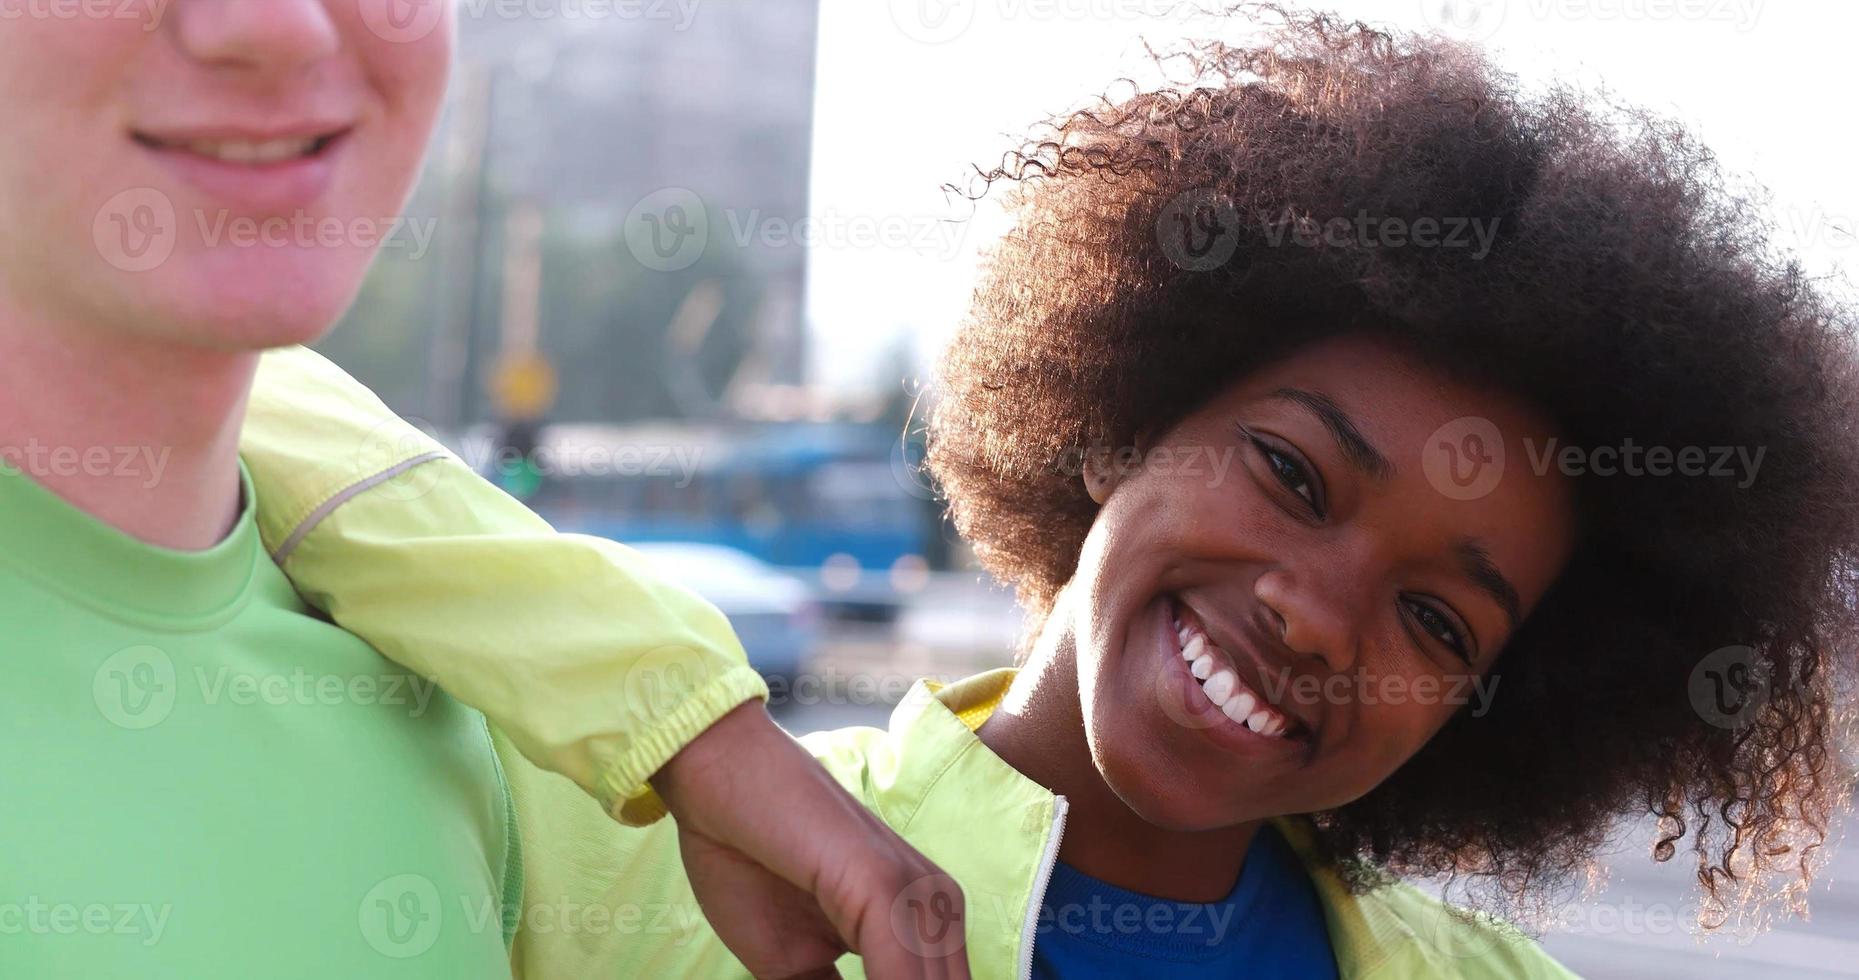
343 496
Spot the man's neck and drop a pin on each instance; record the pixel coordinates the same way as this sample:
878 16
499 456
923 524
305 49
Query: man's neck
142 435
1039 731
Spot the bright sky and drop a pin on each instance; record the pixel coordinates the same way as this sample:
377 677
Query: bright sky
912 91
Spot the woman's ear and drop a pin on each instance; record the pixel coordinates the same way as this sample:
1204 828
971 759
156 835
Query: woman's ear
1105 467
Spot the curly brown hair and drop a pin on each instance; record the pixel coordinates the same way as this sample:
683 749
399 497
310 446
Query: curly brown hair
1630 290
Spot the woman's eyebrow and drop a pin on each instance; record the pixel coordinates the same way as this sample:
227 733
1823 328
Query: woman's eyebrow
1477 565
1355 447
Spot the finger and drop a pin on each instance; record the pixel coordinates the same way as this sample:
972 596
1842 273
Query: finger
917 930
823 973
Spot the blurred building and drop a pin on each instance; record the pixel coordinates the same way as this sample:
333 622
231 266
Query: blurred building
560 123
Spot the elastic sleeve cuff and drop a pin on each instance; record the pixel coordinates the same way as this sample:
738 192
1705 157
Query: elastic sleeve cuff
622 786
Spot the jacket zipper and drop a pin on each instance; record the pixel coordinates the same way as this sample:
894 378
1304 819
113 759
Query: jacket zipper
1047 859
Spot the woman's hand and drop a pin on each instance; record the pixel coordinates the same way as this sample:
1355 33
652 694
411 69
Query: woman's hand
793 872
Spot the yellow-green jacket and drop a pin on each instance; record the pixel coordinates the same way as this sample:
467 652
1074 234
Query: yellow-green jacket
593 673
994 830
588 661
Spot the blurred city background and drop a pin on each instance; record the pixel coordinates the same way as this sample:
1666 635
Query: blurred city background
689 262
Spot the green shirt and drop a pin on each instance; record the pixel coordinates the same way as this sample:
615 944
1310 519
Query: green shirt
202 778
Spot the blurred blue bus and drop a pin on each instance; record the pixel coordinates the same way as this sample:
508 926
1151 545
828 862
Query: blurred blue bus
822 498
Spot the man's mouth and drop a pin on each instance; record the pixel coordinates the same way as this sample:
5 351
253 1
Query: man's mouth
1221 682
245 152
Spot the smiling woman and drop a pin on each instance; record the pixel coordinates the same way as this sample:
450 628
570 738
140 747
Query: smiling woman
1455 651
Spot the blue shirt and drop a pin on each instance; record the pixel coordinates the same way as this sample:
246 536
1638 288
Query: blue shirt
1270 925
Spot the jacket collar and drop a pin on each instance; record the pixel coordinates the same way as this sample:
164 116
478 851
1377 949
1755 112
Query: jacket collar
994 830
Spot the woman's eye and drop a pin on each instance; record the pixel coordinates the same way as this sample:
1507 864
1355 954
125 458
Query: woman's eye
1291 473
1441 628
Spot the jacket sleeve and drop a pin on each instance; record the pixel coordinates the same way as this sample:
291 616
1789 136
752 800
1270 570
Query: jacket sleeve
591 664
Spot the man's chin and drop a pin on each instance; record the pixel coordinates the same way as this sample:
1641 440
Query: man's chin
265 309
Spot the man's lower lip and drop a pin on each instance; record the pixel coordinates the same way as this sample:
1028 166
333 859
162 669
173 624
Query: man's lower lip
267 187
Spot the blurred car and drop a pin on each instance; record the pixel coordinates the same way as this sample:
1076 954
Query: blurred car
774 613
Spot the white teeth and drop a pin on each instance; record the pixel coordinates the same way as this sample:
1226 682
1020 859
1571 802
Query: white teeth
1223 687
245 151
1220 686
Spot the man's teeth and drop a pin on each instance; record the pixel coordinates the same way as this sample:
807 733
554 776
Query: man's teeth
243 151
1224 688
